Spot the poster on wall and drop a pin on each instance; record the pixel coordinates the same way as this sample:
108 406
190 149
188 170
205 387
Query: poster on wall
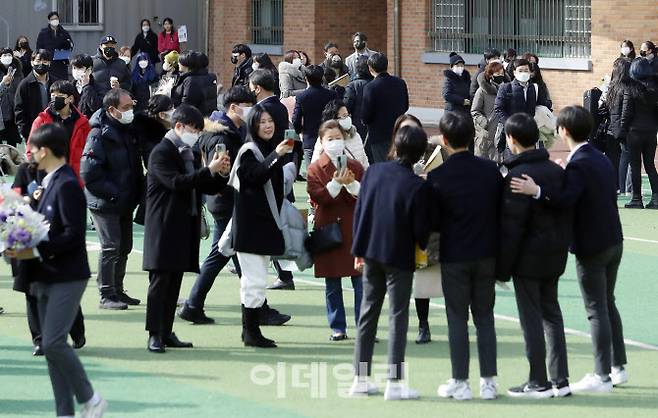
182 33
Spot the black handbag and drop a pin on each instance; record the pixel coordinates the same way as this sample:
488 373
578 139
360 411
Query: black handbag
324 239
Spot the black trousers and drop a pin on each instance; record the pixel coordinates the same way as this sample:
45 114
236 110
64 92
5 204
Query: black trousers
597 276
164 287
540 313
642 149
34 322
10 134
470 285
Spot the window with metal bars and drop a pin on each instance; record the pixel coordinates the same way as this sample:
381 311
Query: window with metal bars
267 22
548 28
79 12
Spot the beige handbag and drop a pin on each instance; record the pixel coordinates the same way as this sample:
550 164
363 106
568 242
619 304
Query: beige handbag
427 283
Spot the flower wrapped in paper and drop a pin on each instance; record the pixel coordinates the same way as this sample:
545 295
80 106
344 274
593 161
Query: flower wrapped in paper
21 227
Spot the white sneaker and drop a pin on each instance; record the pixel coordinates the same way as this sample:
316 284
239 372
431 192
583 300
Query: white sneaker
619 376
457 389
362 387
592 383
396 391
488 388
95 408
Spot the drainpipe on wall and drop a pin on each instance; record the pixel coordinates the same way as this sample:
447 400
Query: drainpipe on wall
396 38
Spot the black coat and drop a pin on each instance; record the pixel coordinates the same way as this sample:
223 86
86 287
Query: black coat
149 132
27 103
254 228
90 100
104 69
456 89
51 40
465 207
391 215
147 44
307 116
26 62
241 73
64 254
110 166
511 99
534 237
354 101
171 232
590 190
384 99
641 112
198 89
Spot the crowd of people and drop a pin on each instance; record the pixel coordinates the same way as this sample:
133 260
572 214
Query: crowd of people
150 145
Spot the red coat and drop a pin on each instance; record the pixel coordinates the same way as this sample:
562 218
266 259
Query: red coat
77 141
338 262
168 42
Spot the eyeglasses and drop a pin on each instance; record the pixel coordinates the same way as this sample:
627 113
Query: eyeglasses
344 117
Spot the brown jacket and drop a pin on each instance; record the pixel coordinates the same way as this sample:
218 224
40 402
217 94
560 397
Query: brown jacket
338 262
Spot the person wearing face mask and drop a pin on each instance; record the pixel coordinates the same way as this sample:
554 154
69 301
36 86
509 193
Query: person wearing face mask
484 117
33 93
176 182
354 95
81 70
55 38
143 78
336 110
110 72
627 50
360 44
168 38
147 42
333 195
23 52
291 78
241 58
221 128
59 271
264 62
113 176
11 75
331 49
124 55
649 51
195 86
62 110
456 85
490 55
508 63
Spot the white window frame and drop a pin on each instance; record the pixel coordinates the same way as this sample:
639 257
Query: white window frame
75 26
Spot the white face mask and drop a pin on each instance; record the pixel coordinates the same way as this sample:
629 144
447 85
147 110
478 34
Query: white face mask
505 64
245 112
255 66
522 77
334 148
189 138
6 60
54 23
297 62
143 64
498 60
78 73
625 50
346 123
125 59
168 114
458 70
166 66
127 117
145 29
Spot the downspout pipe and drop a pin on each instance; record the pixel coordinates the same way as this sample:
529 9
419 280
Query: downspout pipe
396 38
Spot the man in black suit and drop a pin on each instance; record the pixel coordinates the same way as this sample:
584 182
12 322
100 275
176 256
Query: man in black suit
175 182
310 104
534 242
59 271
384 99
589 188
465 206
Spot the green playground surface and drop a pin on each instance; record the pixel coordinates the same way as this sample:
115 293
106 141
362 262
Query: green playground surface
308 375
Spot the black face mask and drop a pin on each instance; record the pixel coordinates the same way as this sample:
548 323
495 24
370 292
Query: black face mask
643 53
59 103
359 45
499 79
110 52
41 69
234 59
23 45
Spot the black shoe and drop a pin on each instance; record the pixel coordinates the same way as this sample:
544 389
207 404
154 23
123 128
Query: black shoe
194 315
561 389
113 304
268 316
172 341
532 391
654 202
251 335
635 203
300 178
339 336
123 297
38 352
281 285
155 344
424 335
79 343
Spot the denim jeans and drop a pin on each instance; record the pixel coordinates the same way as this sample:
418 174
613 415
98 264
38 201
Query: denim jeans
211 267
335 306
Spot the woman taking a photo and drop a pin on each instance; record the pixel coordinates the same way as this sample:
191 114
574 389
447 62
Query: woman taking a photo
333 195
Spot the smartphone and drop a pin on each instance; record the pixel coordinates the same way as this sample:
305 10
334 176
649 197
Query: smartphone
341 162
220 148
11 71
290 134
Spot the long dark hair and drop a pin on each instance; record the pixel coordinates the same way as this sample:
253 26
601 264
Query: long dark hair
621 81
17 47
253 125
537 79
392 155
173 28
629 44
265 62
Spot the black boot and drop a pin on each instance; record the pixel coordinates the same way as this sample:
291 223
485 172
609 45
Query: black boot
654 202
424 335
270 316
155 344
635 203
251 334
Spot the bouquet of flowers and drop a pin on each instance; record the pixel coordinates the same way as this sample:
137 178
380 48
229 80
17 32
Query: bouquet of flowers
21 227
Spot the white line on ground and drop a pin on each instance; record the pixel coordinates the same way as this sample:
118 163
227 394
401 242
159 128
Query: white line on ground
641 240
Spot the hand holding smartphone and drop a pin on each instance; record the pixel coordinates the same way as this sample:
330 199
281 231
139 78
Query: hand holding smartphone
341 162
289 137
220 148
